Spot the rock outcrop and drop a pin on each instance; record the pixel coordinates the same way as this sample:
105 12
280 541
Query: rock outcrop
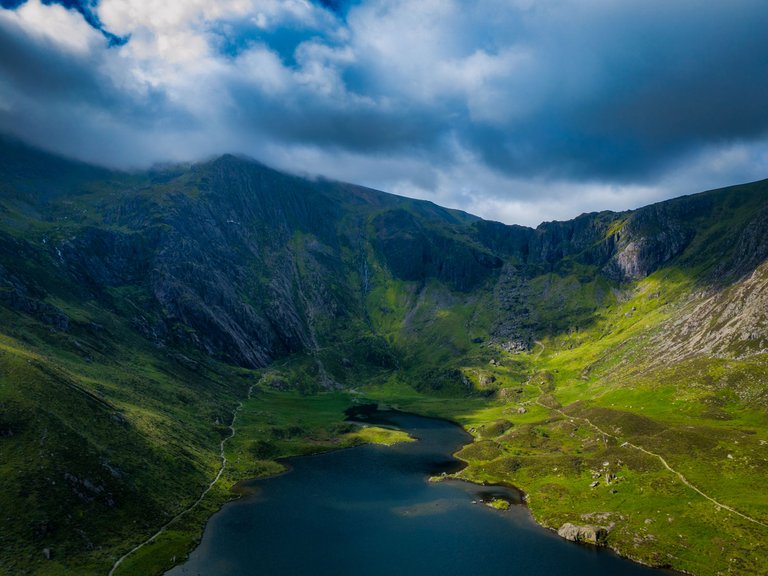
247 264
588 534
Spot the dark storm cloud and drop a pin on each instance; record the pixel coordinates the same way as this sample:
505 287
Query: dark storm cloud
490 103
616 93
41 72
362 129
57 98
623 92
674 78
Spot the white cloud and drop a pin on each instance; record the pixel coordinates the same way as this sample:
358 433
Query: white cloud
515 110
62 28
263 69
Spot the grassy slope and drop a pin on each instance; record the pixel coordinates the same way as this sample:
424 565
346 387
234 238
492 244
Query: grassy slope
561 413
146 423
102 449
145 430
270 425
706 416
595 372
104 435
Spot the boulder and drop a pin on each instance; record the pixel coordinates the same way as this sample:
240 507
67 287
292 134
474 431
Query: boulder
596 535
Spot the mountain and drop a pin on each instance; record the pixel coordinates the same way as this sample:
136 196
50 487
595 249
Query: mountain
139 310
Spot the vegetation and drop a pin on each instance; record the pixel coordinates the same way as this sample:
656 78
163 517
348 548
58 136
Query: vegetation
592 417
498 504
271 425
156 325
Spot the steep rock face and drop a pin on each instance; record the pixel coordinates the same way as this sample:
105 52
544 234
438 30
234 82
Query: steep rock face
515 323
509 241
101 258
584 237
415 252
625 246
649 238
653 236
229 270
248 264
750 250
238 191
24 272
16 295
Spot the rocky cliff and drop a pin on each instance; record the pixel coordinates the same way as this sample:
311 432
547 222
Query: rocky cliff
134 305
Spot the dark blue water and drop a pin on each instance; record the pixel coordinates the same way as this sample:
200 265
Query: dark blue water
370 511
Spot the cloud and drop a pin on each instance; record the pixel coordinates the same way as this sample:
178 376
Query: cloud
53 24
516 110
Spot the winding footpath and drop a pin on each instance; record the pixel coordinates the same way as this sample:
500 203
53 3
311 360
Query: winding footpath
682 478
629 444
196 503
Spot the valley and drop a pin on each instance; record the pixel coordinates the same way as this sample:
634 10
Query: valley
612 367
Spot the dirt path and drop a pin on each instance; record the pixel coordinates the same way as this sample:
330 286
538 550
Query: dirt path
666 465
682 478
196 503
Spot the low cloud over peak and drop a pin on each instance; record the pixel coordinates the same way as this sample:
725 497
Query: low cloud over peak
515 110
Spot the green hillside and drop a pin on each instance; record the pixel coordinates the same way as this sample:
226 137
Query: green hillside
613 367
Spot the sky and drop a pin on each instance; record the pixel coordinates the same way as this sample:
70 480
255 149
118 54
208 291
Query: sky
520 111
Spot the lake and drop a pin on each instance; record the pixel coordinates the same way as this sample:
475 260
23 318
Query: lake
370 510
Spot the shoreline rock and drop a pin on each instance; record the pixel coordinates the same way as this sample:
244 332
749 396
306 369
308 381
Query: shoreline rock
595 535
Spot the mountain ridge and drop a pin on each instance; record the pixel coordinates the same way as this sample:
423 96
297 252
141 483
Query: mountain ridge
138 308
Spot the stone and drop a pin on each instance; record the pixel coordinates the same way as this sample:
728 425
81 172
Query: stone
596 535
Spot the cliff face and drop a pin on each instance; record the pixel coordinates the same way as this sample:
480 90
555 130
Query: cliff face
652 236
247 264
230 257
130 304
413 252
